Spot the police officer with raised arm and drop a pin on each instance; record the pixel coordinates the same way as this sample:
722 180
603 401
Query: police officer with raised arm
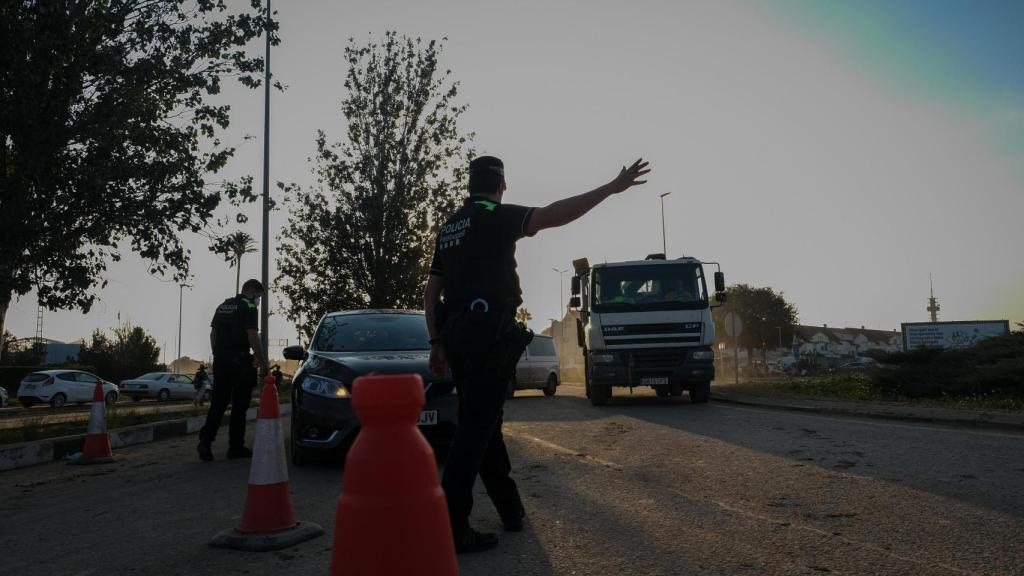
473 331
234 331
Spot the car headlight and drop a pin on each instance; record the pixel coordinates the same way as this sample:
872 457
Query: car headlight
603 358
322 386
702 355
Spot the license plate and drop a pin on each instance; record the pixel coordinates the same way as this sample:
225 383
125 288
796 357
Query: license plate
654 381
428 418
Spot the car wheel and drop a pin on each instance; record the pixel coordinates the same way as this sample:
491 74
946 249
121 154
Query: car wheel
163 395
661 391
26 403
600 395
700 393
58 400
110 398
552 386
136 398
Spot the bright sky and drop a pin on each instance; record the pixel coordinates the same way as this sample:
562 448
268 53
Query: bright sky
837 151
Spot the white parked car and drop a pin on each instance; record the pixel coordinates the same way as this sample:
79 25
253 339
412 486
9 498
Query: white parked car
58 387
160 385
537 368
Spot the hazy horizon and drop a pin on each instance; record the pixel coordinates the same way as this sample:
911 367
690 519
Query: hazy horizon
837 152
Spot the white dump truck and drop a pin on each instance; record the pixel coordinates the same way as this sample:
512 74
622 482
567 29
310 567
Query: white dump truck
647 323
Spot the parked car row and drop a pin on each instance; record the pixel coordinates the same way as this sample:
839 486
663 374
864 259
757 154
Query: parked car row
59 387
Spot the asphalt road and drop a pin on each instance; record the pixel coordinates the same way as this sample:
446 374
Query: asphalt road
640 487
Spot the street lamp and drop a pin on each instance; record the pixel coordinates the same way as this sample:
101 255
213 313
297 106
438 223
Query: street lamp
181 288
561 298
664 250
265 276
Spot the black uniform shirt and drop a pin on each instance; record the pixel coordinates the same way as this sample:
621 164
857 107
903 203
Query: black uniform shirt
232 320
475 252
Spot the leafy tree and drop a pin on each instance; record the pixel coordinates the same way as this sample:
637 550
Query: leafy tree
130 353
762 310
523 315
232 247
109 138
362 237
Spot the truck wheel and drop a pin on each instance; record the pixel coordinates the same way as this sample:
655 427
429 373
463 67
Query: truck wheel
661 391
552 386
700 393
600 395
675 389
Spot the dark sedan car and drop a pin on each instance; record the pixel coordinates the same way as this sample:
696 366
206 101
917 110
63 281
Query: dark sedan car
350 344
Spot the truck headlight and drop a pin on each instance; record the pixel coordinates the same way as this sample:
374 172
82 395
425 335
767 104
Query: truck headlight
603 358
322 386
702 355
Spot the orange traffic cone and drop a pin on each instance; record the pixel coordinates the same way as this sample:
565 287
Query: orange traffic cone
392 516
268 521
97 441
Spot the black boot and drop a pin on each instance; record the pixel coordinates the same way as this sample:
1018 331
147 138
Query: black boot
472 541
205 453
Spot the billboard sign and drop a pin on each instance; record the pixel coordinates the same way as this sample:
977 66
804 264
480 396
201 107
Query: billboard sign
951 334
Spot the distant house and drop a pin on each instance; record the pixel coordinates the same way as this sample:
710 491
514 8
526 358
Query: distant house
844 342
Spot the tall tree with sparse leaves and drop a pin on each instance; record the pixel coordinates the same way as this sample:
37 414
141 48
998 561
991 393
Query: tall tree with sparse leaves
362 237
109 136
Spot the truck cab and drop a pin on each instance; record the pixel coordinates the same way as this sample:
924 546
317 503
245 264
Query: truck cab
647 323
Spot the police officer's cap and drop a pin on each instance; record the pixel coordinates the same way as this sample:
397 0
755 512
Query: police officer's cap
485 174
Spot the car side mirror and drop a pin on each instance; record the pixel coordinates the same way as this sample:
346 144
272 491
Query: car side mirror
720 282
576 286
574 302
295 353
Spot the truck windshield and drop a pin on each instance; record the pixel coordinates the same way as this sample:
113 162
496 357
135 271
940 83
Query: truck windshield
649 287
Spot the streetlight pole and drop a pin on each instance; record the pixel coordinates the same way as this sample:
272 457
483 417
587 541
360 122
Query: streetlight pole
181 290
265 301
561 297
664 250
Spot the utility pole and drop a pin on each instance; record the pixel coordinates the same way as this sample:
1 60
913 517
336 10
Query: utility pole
265 278
664 250
181 288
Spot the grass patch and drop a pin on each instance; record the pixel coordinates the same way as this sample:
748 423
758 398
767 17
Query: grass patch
861 388
34 428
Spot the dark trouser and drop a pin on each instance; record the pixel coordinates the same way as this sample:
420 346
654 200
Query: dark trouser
233 381
474 354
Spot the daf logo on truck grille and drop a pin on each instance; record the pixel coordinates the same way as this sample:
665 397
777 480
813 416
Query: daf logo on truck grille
613 329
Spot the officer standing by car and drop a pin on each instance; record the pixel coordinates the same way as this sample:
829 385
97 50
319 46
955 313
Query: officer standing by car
200 383
234 332
474 333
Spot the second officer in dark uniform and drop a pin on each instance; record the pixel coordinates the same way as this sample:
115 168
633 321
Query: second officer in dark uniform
474 332
234 331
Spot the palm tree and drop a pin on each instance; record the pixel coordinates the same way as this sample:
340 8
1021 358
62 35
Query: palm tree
233 247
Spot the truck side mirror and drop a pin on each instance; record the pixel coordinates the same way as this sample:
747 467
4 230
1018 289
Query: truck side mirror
720 297
574 302
720 282
576 286
295 353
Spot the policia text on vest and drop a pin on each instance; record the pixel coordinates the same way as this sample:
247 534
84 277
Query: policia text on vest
474 334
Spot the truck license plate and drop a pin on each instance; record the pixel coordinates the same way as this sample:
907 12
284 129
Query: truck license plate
654 381
428 418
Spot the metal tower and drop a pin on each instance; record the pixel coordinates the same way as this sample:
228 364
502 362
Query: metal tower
933 302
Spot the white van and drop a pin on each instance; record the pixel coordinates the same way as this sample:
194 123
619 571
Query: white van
537 368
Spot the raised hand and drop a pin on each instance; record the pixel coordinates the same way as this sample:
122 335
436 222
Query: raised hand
627 178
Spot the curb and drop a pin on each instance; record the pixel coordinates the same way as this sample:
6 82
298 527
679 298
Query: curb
965 418
41 451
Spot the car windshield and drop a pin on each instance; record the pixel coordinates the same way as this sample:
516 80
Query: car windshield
151 376
649 287
372 333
